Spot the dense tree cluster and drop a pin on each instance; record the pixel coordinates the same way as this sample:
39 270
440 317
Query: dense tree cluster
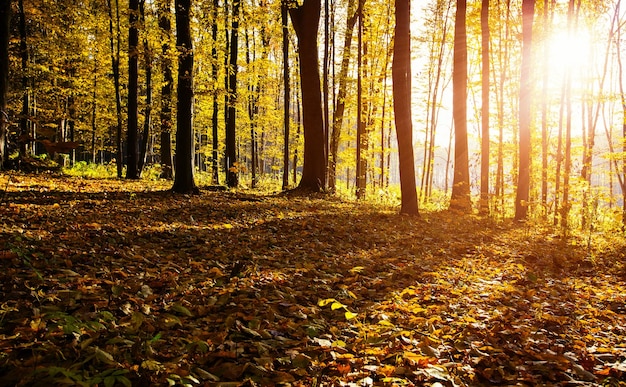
518 101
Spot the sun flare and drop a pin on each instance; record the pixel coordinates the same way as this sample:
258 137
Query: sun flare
569 50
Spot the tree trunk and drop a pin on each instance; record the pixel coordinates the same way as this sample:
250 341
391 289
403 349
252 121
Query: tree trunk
305 19
147 123
166 93
401 74
460 199
5 34
361 136
567 166
232 173
133 80
183 178
214 118
24 116
484 151
523 183
115 39
547 21
340 103
287 97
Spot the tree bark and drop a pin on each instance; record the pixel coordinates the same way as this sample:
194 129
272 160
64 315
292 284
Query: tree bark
340 102
401 74
523 183
305 19
183 177
166 92
214 118
147 123
232 173
133 80
284 8
114 39
484 151
5 34
460 199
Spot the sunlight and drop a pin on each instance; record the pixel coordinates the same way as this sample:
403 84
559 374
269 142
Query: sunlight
567 51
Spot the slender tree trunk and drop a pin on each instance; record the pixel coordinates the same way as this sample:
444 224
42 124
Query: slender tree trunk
567 166
401 73
621 172
166 92
115 39
361 177
183 178
253 90
340 103
24 116
133 78
523 184
5 35
94 106
485 70
504 63
547 22
460 186
214 118
305 20
147 123
287 96
325 76
232 173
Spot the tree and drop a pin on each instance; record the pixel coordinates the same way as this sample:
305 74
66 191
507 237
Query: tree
284 9
133 92
401 73
166 91
305 19
484 149
460 186
232 173
115 39
183 174
147 115
340 101
5 34
523 182
361 135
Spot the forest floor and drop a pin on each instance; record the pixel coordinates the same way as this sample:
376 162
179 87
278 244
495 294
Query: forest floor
108 282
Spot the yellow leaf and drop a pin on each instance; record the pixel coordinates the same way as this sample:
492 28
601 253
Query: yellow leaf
349 315
325 301
337 305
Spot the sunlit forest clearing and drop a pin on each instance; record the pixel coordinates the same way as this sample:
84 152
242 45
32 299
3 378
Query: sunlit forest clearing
120 282
312 193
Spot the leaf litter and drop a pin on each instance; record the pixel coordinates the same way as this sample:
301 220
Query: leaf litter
122 283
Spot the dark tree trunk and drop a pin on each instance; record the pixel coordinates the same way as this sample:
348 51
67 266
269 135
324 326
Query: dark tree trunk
460 186
401 73
523 184
214 123
232 173
305 19
5 34
166 93
114 39
484 151
287 97
24 116
361 136
183 177
133 79
147 123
